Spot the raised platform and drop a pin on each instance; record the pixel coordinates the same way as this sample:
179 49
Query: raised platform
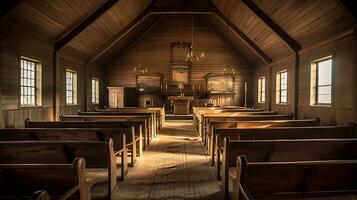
178 117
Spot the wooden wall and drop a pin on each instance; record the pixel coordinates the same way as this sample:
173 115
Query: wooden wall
16 41
344 51
156 54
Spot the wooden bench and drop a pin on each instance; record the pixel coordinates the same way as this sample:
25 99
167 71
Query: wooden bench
121 143
98 181
126 126
253 124
207 118
275 133
150 117
283 151
294 180
143 121
160 112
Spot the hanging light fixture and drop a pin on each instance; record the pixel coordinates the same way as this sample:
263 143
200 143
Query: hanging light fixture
191 57
228 70
140 67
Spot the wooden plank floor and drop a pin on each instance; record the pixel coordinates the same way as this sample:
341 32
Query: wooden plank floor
175 166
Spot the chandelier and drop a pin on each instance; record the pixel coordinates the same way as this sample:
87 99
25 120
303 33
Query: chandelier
191 56
140 68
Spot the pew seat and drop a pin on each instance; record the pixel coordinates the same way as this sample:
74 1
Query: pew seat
323 180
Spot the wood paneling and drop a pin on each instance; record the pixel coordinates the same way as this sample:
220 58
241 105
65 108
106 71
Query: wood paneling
53 18
105 27
156 53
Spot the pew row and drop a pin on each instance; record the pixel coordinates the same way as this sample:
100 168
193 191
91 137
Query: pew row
330 179
143 121
213 125
283 151
151 117
121 143
131 129
207 118
97 181
276 133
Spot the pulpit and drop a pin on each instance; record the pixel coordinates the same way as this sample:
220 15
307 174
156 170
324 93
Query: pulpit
181 104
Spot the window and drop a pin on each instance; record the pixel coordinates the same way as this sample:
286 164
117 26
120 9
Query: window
282 87
261 90
71 87
30 82
95 91
321 81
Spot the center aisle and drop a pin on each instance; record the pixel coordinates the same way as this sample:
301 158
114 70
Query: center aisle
175 166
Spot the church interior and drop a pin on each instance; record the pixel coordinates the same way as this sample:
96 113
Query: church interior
178 99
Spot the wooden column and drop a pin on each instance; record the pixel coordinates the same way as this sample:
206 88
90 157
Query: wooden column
354 82
87 86
270 81
2 125
296 85
56 99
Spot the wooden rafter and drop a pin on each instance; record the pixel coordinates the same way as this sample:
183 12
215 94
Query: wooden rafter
150 27
240 34
294 45
117 37
66 38
225 39
7 6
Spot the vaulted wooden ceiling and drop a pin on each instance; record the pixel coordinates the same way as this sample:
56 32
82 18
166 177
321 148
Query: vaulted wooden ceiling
262 31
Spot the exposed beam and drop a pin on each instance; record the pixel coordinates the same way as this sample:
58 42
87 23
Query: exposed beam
148 29
349 7
294 45
7 6
226 40
240 34
66 38
117 37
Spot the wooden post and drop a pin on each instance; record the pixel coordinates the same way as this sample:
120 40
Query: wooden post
354 74
296 85
56 100
2 124
270 91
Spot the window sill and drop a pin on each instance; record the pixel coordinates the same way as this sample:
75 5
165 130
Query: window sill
322 105
30 106
282 104
261 102
71 104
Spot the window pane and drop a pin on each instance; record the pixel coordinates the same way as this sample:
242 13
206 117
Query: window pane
323 90
325 72
324 99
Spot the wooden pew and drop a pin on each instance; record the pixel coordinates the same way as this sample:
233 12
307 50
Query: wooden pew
62 180
120 141
283 151
126 126
143 121
150 116
294 180
160 112
99 157
252 116
212 125
276 133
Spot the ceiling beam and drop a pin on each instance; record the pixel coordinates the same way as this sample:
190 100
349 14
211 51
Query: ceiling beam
147 29
7 6
224 38
240 34
118 36
349 7
67 37
293 45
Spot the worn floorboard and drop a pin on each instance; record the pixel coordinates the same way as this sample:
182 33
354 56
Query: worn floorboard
175 166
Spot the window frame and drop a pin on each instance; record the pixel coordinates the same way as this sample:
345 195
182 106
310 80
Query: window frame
278 87
74 90
37 82
96 93
261 90
314 87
